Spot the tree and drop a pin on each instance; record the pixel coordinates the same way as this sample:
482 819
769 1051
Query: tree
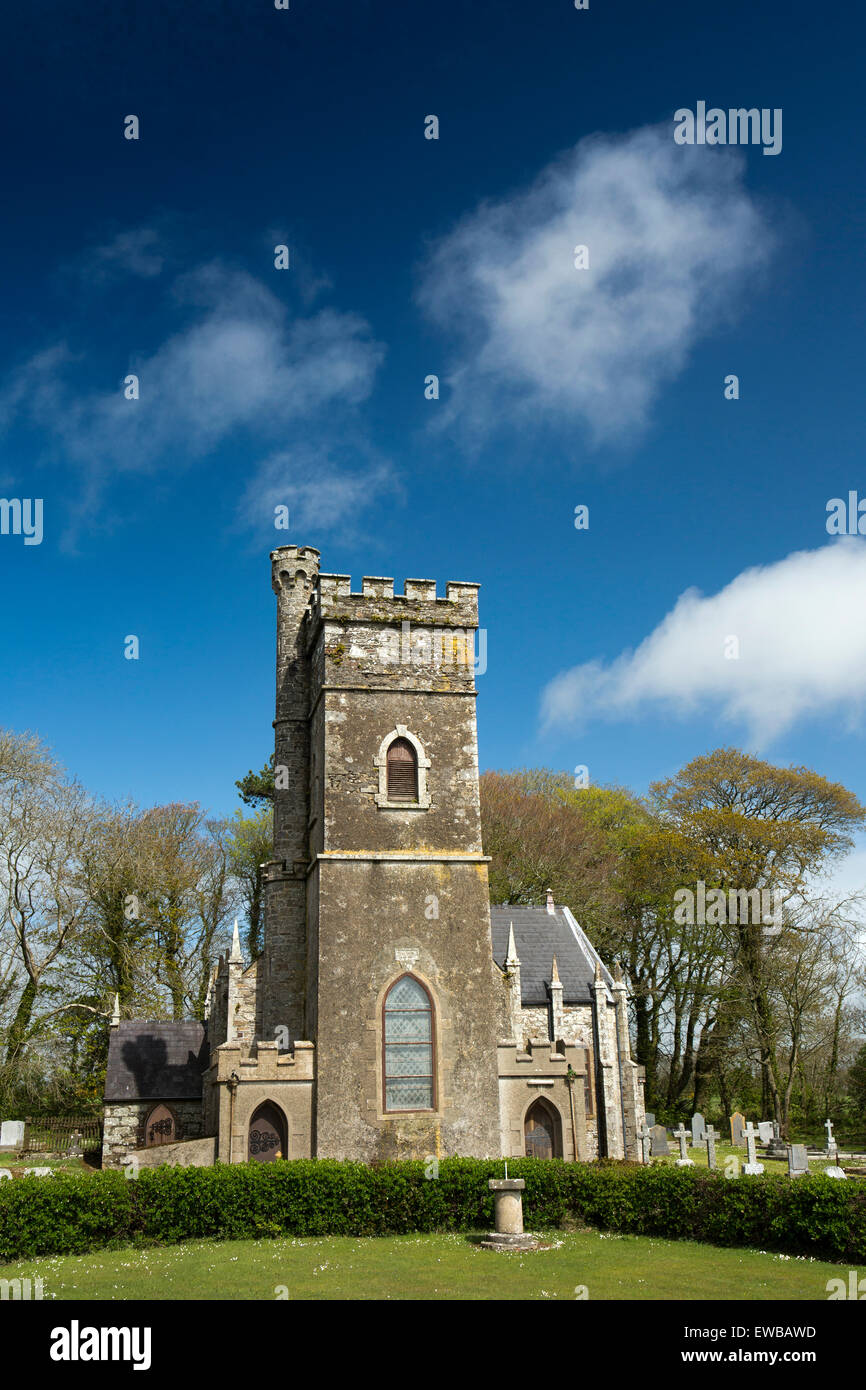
250 846
537 842
257 788
761 827
44 822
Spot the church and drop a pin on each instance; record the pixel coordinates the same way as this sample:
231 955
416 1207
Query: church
393 1013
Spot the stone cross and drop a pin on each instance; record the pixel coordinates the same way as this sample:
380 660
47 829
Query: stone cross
682 1134
751 1165
710 1138
832 1146
645 1140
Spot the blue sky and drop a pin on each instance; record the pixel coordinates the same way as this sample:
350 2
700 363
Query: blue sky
559 386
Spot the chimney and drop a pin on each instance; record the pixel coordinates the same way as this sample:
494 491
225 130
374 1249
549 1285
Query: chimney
551 906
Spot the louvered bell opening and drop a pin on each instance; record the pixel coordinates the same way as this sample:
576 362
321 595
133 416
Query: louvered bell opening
402 772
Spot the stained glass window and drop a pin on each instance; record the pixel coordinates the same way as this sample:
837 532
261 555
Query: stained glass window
408 1046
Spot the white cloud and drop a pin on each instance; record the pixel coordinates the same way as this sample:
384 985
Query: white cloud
673 238
802 644
137 251
240 362
322 494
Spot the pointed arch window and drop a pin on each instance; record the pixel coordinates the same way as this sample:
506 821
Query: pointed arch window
408 1046
402 781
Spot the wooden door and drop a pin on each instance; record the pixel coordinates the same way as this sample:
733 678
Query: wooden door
267 1134
541 1131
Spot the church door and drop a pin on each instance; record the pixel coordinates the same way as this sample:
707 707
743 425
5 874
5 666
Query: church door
267 1139
160 1127
542 1131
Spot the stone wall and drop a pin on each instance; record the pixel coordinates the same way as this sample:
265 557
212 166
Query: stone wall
126 1121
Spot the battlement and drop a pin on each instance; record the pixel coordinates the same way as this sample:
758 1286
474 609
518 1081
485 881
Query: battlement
333 598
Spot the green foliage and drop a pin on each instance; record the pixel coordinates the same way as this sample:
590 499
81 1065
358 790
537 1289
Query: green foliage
258 787
69 1214
250 844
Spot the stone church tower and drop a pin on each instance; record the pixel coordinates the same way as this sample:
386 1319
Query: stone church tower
374 879
392 1013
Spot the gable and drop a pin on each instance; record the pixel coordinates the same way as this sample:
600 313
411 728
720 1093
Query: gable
540 935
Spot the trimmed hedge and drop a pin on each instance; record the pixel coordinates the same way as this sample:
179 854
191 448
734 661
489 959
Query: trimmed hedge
72 1213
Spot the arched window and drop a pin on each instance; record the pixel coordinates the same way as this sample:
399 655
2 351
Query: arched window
402 771
408 1046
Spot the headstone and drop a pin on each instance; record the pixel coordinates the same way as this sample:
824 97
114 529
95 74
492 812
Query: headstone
39 1172
4 1174
738 1125
11 1134
645 1137
699 1129
765 1131
751 1165
682 1134
710 1139
650 1119
660 1144
832 1146
798 1163
835 1172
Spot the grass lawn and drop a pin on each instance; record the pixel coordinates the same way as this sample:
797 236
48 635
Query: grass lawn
432 1267
17 1165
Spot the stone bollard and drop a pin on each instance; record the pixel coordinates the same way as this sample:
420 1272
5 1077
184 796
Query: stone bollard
508 1208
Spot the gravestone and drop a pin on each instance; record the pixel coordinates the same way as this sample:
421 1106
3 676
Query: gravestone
650 1119
4 1174
710 1138
738 1125
682 1134
11 1134
835 1172
765 1131
660 1144
751 1165
798 1163
777 1148
39 1172
645 1137
832 1146
699 1129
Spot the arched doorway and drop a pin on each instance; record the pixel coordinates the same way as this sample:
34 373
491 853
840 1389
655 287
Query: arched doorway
160 1127
267 1134
542 1131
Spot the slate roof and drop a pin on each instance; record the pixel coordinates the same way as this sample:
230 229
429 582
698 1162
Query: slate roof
538 936
156 1061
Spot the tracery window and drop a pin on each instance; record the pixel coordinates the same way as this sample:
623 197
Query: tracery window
408 1046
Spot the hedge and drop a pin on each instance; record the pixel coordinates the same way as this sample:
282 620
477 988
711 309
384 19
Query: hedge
73 1213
